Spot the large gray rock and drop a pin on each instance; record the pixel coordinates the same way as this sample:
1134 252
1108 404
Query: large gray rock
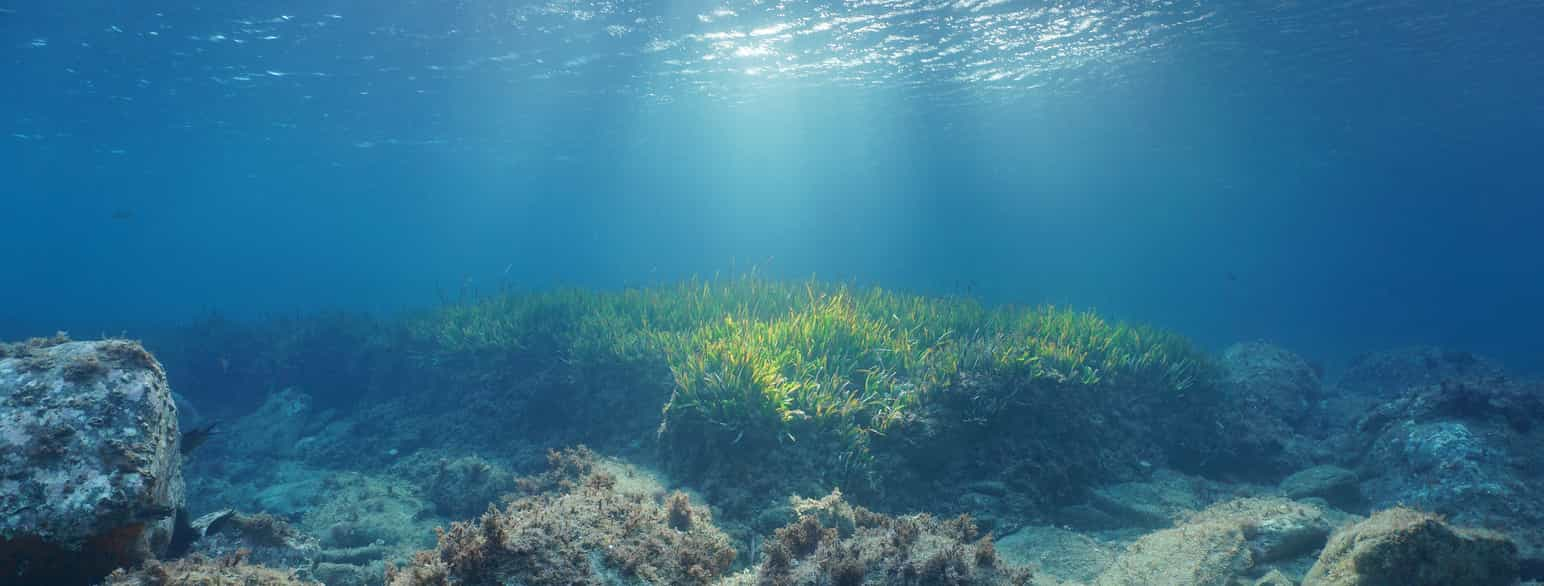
90 474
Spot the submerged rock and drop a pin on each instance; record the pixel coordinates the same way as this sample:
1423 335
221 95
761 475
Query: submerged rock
1155 503
1271 380
839 544
1058 552
202 571
1469 449
1337 486
1410 548
258 538
586 522
1390 373
461 487
90 474
1267 398
1224 543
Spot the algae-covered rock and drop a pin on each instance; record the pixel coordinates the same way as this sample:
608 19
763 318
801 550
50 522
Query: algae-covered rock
204 571
835 543
1153 503
1067 555
1390 373
1224 543
1469 449
1265 402
1202 554
1275 578
1411 548
586 522
461 487
90 474
259 538
1271 380
1337 486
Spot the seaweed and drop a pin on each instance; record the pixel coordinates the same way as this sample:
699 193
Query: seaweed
580 528
84 369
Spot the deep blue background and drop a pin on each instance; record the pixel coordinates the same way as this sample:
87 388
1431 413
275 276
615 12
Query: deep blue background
1336 180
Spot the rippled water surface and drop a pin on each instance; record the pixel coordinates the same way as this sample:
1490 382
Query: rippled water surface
1125 155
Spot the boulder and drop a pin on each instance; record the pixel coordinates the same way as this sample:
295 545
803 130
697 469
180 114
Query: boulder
1271 380
1410 548
1337 486
1470 449
1267 402
1223 544
90 471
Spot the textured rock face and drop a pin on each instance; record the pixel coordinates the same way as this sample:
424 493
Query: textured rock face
1337 486
1401 546
1223 544
1267 396
1468 449
1271 380
90 474
1390 373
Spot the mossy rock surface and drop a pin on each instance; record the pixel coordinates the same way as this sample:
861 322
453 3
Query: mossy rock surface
588 521
1405 547
204 571
1224 544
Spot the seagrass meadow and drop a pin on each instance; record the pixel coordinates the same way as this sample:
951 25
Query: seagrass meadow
829 383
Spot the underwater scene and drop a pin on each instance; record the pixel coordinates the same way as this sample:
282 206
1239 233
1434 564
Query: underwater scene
771 292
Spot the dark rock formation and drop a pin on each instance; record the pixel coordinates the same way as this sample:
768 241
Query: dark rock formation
90 473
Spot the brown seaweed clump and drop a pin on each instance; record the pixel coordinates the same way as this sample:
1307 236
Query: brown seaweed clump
835 543
232 570
577 525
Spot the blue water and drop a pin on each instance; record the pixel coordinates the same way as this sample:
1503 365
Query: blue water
1335 177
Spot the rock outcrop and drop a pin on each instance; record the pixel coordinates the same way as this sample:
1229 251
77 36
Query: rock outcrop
1224 544
1268 397
1465 448
90 471
1402 546
1390 373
